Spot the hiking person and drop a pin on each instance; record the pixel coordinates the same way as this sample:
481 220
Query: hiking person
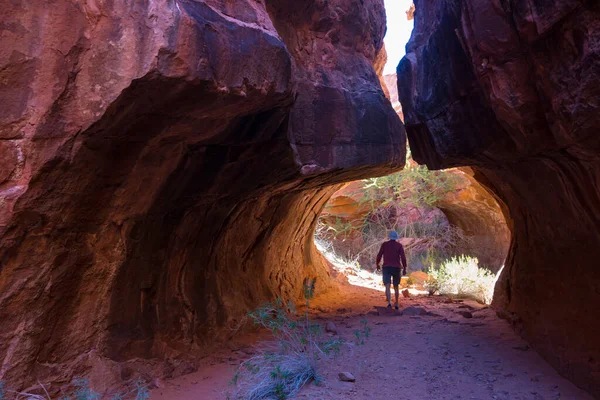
394 262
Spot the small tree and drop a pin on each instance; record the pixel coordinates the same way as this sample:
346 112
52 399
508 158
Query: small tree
391 200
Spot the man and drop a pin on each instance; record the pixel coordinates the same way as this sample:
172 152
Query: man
392 253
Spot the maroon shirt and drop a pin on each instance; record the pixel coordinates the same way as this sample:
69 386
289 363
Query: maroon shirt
392 253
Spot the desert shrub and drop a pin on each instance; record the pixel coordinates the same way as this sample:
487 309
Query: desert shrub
390 201
81 391
363 333
284 365
141 390
415 185
431 285
462 276
430 242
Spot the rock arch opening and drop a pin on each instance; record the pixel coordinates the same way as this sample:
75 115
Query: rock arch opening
439 216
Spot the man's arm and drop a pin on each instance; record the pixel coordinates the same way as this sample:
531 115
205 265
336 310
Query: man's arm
379 255
403 258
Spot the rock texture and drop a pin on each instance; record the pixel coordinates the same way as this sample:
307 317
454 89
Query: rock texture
162 165
391 83
511 89
476 210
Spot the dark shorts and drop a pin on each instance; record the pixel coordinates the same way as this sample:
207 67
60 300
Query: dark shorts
389 273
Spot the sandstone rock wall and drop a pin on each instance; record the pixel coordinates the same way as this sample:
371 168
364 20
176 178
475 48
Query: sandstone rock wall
511 89
162 165
475 210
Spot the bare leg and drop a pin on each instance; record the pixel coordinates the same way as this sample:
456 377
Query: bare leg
396 293
387 293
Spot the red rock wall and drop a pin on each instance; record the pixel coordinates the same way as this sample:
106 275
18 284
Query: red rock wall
511 88
162 165
476 210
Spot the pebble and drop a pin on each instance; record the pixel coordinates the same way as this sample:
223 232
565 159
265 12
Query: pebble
331 328
346 377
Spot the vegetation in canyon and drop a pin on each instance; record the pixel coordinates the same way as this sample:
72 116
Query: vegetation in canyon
284 365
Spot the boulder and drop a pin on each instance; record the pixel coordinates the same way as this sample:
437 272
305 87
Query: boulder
414 311
418 278
331 328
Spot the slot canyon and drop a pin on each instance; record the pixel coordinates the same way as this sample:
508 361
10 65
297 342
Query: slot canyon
163 165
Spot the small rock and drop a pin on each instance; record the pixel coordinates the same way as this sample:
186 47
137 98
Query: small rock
448 301
412 311
406 293
331 328
346 377
536 378
466 314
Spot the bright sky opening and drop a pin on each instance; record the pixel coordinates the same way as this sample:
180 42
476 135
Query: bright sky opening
398 32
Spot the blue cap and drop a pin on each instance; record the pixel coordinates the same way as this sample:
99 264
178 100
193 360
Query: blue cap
393 235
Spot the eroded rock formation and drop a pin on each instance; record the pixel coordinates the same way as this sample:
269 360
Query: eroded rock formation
162 165
468 206
392 86
476 211
511 89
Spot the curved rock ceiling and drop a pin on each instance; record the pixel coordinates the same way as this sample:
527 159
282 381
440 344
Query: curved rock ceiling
162 167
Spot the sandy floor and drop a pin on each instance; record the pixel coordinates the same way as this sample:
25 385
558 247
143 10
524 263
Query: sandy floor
442 356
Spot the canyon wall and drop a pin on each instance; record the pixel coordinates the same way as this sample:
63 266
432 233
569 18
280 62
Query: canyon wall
511 88
162 165
476 211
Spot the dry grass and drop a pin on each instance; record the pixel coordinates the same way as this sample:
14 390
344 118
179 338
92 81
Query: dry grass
284 365
80 391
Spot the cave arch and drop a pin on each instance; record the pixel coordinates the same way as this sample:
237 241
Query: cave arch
170 168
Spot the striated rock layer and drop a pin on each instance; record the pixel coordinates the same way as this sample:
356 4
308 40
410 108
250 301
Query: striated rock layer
512 89
162 165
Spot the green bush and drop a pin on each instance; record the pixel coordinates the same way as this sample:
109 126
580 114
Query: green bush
462 276
283 366
387 201
415 185
361 334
